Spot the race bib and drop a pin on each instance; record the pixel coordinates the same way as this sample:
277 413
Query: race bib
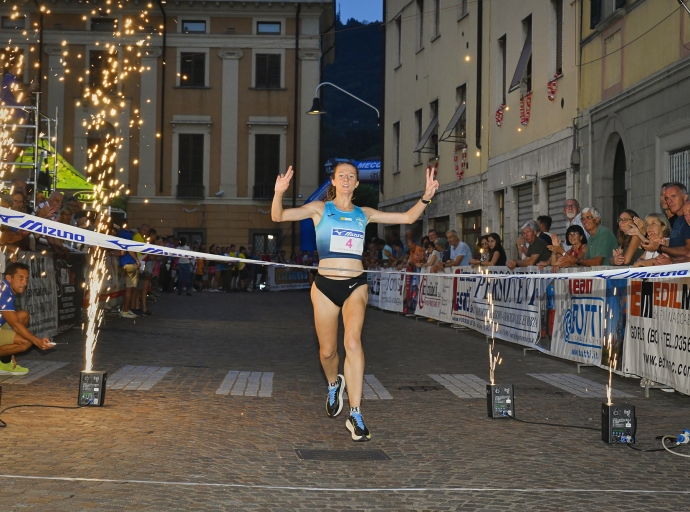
347 241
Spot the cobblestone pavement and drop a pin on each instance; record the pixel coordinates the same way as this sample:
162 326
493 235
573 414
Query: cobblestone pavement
181 445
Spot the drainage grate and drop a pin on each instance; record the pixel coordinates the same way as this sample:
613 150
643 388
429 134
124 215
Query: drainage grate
342 455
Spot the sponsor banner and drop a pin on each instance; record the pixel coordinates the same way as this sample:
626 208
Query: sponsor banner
657 337
615 322
374 285
391 291
69 281
430 296
578 327
461 290
411 292
508 309
40 297
281 278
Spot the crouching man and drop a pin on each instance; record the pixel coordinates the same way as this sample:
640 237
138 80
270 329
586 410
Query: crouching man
15 336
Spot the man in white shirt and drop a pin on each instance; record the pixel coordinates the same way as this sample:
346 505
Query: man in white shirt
573 216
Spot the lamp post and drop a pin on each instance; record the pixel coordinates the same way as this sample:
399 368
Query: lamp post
316 105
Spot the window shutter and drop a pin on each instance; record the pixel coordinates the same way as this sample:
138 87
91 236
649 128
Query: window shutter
199 79
559 36
594 13
266 159
274 71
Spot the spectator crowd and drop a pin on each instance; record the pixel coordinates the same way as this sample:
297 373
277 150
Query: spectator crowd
658 239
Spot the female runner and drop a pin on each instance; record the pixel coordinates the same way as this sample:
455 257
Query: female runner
340 228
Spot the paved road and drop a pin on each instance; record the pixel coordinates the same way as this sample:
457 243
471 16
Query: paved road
179 432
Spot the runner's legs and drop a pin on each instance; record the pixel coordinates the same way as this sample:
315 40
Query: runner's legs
326 322
353 319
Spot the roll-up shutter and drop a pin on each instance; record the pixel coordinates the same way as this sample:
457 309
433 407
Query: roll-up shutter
524 203
556 202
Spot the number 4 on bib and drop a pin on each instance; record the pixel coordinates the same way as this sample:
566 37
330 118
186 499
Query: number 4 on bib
347 241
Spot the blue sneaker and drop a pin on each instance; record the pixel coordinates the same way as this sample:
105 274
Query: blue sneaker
334 402
355 424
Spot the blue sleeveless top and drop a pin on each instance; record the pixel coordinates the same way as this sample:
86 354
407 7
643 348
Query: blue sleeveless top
341 234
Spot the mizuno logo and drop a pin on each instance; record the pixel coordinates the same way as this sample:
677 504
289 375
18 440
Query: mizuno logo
348 233
5 219
39 227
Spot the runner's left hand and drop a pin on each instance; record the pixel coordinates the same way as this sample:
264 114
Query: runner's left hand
431 184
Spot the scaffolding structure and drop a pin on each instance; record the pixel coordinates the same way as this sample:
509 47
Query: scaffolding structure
39 127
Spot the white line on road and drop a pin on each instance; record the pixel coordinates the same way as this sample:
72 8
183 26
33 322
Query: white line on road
534 490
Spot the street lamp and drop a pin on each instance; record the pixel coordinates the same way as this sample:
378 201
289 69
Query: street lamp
316 105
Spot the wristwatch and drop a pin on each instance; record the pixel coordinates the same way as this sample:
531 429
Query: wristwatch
579 262
425 201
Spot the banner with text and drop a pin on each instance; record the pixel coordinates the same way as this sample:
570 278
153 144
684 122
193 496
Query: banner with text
40 297
657 337
391 291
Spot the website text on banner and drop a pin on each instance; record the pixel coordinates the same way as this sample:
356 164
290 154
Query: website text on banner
71 233
657 337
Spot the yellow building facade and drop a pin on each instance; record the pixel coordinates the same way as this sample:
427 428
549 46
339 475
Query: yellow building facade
634 128
208 115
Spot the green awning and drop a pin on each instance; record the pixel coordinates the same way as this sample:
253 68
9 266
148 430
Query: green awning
67 176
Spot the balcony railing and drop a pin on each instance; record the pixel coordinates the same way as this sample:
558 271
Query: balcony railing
190 191
264 191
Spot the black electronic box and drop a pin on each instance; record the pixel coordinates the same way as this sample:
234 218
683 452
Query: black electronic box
618 424
500 400
92 388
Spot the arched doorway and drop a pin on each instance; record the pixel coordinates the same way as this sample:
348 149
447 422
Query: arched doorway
620 194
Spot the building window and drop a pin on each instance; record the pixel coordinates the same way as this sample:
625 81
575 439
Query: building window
462 9
461 99
433 114
193 26
420 25
471 228
104 24
192 69
13 22
398 42
190 163
558 32
441 225
679 166
503 59
437 18
268 71
396 148
266 164
102 71
522 79
268 28
417 135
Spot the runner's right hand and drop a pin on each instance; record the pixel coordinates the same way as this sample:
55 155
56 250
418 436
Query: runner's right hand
283 181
